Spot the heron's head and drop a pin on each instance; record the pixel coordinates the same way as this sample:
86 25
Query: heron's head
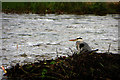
77 39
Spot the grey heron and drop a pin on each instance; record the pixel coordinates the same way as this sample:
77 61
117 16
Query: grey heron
81 45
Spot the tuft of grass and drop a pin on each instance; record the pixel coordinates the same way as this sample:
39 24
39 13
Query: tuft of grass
98 66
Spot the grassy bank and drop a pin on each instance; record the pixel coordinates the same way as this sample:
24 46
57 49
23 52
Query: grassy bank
98 8
86 66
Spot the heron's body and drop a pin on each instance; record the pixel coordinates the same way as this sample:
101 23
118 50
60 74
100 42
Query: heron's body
82 46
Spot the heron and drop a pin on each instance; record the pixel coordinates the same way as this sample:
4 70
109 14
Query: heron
81 45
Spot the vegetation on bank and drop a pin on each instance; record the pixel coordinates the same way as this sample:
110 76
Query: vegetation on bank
86 66
98 8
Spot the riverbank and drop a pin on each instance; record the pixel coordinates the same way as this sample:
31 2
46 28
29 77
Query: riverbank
97 8
89 65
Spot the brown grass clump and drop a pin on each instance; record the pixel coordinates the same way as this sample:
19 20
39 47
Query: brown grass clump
86 66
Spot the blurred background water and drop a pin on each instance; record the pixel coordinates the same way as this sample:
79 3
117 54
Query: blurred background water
28 38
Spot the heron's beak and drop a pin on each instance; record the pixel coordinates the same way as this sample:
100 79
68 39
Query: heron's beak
73 40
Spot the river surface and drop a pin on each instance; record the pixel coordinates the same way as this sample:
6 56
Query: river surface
31 37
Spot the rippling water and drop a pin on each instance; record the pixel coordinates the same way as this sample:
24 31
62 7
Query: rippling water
31 37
